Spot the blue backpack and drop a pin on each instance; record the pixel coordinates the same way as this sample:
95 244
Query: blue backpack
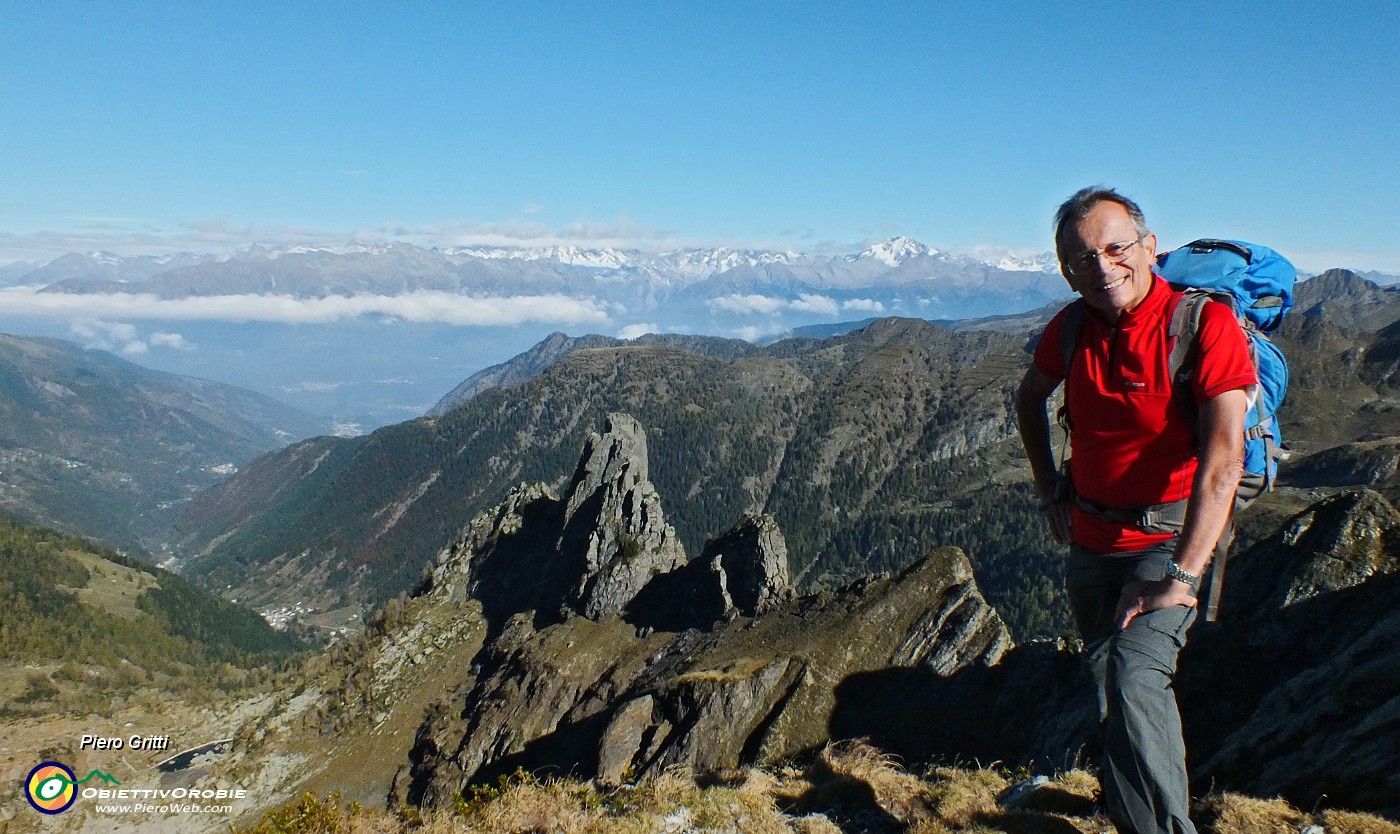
1257 284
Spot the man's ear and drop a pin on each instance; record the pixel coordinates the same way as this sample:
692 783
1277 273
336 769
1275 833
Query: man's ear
1149 243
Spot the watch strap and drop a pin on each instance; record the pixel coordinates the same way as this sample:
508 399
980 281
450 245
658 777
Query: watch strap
1175 572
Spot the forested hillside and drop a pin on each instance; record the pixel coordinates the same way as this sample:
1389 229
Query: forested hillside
84 620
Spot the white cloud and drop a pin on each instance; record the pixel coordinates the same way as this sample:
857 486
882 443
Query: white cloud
172 340
755 333
105 335
746 304
812 303
632 331
135 348
867 305
420 306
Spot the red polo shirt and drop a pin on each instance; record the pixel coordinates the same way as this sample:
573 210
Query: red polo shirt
1130 443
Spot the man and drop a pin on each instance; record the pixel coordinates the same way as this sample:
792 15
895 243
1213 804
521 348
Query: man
1132 588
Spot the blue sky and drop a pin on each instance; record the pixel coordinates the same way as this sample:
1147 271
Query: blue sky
144 127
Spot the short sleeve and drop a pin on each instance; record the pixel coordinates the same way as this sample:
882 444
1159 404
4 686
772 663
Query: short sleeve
1224 354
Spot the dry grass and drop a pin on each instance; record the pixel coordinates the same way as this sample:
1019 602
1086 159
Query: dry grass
847 787
1348 822
1247 815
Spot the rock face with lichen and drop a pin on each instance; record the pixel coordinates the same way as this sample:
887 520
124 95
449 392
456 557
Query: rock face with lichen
1337 543
612 653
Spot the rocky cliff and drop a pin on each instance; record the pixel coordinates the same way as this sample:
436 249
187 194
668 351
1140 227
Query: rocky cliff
610 653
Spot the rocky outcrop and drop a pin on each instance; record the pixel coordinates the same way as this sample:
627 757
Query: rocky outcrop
651 661
1337 543
1294 692
1366 463
599 698
753 561
588 553
613 521
766 688
714 662
1303 703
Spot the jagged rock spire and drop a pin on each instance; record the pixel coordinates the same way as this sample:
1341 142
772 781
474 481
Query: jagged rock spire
613 521
588 553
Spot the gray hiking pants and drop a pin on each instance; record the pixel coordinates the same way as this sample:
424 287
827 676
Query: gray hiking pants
1144 758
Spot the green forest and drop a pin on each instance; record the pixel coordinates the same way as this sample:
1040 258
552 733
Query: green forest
111 622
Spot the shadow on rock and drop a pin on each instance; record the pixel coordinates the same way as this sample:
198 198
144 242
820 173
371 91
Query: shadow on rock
1036 706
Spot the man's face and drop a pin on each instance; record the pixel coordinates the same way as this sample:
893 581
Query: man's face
1105 285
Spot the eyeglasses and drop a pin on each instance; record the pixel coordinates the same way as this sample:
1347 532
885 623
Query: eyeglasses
1116 253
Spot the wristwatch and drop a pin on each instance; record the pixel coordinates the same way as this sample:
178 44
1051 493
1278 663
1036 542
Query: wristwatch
1175 572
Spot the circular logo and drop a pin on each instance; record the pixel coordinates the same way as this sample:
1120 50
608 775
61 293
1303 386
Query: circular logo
50 788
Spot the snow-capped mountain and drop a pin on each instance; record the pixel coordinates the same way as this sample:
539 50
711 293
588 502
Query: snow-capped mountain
899 275
670 267
607 274
102 266
894 251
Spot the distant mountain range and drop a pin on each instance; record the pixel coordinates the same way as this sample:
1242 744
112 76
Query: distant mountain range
729 288
371 334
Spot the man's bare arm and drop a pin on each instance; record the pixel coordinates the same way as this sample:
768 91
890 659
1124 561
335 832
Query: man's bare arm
1033 422
1212 499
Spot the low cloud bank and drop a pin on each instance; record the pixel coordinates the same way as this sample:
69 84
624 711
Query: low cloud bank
422 306
813 303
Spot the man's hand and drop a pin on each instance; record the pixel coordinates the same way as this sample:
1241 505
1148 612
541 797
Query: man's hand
1151 595
1056 508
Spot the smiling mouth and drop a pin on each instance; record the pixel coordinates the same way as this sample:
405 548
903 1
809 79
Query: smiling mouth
1113 285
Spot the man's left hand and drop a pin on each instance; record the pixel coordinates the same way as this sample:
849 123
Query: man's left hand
1150 595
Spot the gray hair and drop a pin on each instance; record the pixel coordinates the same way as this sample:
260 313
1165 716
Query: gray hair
1077 207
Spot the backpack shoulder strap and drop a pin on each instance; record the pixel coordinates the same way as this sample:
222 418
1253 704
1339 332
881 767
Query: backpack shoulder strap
1070 326
1182 327
1185 323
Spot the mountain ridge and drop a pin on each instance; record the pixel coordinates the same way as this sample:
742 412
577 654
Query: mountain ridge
97 445
860 445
